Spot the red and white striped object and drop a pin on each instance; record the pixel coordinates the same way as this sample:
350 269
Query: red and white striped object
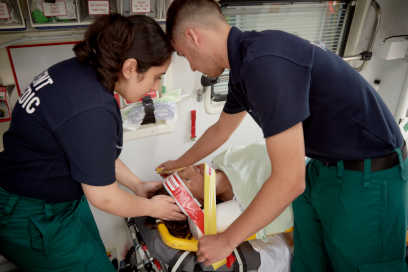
175 186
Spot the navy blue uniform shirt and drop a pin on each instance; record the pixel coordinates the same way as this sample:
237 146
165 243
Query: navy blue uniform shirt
66 129
281 80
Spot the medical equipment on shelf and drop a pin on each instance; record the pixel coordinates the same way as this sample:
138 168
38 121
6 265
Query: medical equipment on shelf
150 110
58 11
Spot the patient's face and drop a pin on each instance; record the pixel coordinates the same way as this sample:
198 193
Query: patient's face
193 177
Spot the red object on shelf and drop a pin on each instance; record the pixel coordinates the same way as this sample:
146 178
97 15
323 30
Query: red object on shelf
193 116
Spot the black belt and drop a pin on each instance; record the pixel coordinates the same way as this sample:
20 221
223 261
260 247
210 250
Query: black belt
379 163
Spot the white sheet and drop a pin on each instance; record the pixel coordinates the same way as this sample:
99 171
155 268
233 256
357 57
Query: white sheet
247 168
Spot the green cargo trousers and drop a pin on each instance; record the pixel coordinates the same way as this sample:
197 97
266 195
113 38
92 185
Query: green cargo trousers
40 236
351 221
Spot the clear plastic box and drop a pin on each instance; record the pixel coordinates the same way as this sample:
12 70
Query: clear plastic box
154 8
133 7
53 13
11 17
90 9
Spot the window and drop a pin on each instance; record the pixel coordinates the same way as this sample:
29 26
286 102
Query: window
323 23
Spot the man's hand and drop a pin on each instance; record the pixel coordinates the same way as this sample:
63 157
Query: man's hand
165 207
213 248
167 167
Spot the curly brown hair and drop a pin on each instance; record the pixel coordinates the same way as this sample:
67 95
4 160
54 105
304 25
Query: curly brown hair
113 38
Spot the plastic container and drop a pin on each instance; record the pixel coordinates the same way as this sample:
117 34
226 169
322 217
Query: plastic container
61 13
11 17
154 8
90 9
133 7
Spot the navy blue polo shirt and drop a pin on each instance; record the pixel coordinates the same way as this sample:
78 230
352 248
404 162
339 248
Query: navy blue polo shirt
281 80
66 129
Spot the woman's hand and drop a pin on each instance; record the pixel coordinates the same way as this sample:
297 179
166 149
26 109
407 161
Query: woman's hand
147 188
165 207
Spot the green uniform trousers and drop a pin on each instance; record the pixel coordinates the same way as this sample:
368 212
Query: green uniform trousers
351 221
40 236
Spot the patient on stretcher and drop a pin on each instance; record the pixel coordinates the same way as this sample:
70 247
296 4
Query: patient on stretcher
240 174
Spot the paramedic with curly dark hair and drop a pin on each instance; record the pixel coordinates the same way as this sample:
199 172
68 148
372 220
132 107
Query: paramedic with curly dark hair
62 149
350 202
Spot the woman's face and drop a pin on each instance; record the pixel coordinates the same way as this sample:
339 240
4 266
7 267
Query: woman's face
133 85
193 177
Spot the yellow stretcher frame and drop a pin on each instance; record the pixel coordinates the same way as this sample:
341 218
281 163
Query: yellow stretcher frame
210 223
187 244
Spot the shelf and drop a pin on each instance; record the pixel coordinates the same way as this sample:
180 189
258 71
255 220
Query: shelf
41 36
161 127
38 31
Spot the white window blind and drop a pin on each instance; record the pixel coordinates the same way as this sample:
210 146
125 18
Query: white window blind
321 23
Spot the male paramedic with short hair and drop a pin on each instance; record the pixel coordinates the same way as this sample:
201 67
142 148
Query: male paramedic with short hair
350 214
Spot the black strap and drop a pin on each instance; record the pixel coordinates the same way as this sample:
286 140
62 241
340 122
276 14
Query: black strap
149 110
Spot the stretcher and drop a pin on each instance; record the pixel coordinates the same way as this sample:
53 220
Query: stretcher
164 252
153 253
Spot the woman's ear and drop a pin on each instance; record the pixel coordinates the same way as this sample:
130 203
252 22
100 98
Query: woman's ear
129 67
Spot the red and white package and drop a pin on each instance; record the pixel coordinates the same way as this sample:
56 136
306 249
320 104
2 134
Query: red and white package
175 186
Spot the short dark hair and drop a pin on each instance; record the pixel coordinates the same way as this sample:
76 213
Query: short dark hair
113 38
181 9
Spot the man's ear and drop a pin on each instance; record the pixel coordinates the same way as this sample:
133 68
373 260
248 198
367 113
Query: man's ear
191 35
129 67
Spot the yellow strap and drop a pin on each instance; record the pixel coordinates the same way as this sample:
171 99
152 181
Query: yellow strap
210 219
161 170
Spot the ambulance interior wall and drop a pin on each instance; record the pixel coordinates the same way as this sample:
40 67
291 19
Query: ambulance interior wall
144 154
391 73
